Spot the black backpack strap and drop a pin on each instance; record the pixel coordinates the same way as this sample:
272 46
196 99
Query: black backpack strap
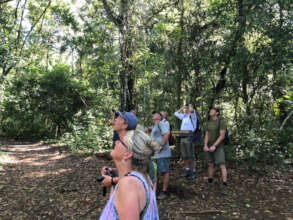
192 122
219 125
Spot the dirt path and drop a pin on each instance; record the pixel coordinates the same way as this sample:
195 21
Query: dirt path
39 182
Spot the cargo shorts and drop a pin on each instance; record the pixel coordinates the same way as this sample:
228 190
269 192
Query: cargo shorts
187 148
217 157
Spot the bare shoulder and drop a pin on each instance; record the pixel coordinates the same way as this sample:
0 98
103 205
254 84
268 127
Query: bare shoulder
129 183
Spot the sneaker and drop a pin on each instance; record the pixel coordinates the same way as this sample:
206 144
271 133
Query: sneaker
186 173
192 176
162 195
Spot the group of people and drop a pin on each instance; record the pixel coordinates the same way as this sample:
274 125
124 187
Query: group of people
138 157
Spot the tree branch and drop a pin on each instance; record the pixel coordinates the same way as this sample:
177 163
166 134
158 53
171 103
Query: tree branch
111 15
155 12
20 24
4 1
33 26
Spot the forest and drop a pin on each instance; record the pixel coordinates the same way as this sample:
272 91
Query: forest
66 64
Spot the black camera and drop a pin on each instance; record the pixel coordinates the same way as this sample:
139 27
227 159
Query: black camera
101 178
108 173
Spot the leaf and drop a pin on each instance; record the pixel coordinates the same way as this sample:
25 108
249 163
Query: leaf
233 206
247 205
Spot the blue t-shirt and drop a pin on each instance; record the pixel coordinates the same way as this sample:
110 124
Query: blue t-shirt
167 124
158 130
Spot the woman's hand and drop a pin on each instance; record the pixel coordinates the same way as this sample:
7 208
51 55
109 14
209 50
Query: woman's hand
107 182
104 168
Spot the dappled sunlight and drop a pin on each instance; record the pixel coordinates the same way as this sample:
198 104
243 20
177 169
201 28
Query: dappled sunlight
44 159
5 159
31 155
43 173
19 148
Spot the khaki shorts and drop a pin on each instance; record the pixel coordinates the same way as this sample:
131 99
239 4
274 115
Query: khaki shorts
216 157
187 149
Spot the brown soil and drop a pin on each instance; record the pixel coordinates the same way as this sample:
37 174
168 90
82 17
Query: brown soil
38 181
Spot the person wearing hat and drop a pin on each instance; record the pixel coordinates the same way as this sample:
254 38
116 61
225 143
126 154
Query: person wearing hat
122 122
133 196
160 132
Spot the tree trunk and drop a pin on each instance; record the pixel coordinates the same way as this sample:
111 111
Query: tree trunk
126 74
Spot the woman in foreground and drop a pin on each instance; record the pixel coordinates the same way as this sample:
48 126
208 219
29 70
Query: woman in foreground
133 196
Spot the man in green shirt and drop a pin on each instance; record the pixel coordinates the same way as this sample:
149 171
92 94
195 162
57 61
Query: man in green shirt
214 147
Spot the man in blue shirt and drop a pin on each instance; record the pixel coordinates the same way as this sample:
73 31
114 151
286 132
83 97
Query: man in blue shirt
189 121
160 132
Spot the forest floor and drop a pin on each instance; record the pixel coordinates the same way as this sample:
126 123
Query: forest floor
42 181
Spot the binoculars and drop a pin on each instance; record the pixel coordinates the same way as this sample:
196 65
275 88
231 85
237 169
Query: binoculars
101 178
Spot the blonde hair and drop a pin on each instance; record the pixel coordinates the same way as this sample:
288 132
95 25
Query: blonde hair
142 147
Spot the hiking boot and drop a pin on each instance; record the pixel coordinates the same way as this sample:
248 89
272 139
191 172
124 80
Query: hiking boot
210 184
192 176
186 173
162 195
224 190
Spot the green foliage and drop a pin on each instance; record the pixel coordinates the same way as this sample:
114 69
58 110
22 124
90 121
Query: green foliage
89 134
43 103
235 55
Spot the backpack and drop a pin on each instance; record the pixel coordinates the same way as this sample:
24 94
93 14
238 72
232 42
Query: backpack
226 140
196 136
171 138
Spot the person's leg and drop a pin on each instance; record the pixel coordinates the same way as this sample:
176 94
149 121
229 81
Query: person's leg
210 170
220 160
166 178
164 170
210 159
166 174
224 173
184 155
163 194
191 157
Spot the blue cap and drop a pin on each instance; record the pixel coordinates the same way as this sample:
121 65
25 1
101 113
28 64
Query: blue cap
130 118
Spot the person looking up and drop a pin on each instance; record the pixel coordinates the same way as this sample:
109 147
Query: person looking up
188 124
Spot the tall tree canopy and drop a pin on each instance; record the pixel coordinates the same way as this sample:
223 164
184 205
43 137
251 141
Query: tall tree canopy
148 55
